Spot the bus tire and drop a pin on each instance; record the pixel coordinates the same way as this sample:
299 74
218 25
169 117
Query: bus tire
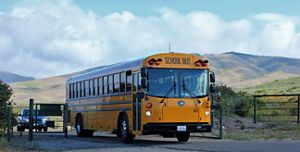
79 128
183 136
124 130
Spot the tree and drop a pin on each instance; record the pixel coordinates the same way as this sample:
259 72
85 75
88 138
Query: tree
5 94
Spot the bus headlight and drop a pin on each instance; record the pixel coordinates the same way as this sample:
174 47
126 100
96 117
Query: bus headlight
148 113
207 113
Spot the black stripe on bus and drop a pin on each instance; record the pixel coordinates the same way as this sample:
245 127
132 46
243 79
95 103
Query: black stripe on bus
100 103
106 109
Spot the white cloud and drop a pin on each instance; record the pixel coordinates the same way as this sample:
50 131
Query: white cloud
42 38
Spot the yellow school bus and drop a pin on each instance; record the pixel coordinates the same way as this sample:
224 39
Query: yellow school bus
166 94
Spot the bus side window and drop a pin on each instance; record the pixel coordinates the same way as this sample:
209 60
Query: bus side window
70 90
128 81
95 86
86 88
139 81
123 82
135 82
73 90
77 89
116 83
90 87
81 88
100 87
105 85
110 84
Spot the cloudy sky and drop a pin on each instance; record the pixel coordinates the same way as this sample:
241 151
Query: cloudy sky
44 38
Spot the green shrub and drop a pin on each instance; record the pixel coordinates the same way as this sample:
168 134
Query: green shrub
238 103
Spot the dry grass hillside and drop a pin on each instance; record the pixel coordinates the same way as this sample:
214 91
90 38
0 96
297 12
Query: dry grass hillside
233 69
43 90
243 70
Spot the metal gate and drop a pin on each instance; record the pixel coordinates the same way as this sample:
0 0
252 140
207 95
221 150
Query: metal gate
270 108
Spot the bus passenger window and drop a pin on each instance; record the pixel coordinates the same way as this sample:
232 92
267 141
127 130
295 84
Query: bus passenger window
123 81
81 88
110 84
100 86
105 85
86 88
95 86
77 89
90 87
73 90
128 83
139 81
70 91
135 82
116 83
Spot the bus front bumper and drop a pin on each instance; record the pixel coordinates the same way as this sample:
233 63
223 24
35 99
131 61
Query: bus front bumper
159 128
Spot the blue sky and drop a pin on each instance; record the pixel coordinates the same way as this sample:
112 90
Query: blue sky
227 9
78 34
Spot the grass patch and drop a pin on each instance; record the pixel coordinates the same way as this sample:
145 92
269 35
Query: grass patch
270 131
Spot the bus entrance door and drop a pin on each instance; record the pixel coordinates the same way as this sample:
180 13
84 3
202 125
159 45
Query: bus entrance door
179 110
136 113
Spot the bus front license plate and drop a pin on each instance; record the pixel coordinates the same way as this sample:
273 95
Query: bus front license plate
181 128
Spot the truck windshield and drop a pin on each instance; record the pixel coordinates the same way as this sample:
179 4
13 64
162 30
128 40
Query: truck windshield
178 83
26 112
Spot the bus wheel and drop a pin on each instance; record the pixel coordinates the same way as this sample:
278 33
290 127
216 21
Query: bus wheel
124 130
183 136
79 127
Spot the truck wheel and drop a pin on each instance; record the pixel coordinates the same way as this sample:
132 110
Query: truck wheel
45 129
124 130
39 129
183 136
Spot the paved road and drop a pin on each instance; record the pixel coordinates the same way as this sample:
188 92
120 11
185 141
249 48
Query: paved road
55 142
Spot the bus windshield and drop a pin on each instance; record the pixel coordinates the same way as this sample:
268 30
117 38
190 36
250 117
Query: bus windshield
178 83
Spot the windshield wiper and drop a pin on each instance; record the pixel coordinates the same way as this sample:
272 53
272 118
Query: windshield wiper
188 91
173 87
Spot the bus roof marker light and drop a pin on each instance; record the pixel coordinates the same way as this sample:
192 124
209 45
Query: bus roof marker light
198 63
158 61
204 63
151 62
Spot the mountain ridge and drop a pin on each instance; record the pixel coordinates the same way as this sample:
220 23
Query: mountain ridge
8 77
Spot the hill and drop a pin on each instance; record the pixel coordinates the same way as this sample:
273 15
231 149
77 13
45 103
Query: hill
287 86
11 77
240 70
233 69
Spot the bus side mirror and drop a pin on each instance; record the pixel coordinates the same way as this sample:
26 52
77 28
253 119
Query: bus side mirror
212 88
144 83
143 73
212 77
140 95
